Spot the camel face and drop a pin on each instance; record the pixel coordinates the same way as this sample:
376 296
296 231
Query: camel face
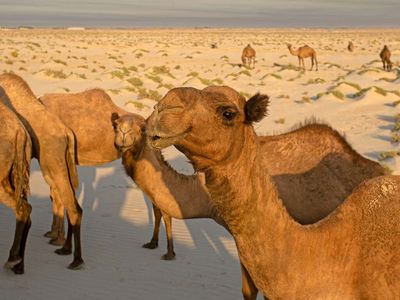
206 122
128 131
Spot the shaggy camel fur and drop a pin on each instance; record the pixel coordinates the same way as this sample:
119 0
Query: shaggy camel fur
95 144
350 46
249 56
53 146
385 57
351 254
15 157
304 52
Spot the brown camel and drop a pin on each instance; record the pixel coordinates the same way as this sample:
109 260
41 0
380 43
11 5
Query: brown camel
350 46
95 144
249 56
350 254
53 146
304 52
294 165
15 157
385 57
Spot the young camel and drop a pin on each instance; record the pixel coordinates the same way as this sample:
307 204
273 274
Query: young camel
95 144
249 56
53 146
385 57
15 157
304 52
350 46
351 254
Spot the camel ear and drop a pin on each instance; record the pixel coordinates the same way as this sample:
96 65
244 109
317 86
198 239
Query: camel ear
114 118
256 108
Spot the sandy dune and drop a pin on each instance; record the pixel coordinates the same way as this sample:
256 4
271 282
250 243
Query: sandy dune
350 91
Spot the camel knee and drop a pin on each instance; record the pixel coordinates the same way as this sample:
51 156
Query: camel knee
23 212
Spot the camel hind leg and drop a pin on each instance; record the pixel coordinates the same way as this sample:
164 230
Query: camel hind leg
15 260
63 192
170 255
153 244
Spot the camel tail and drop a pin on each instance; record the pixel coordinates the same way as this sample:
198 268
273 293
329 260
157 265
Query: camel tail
70 158
21 168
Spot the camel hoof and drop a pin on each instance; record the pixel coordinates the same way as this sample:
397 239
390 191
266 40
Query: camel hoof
77 264
151 245
58 241
18 269
50 234
63 251
168 256
11 263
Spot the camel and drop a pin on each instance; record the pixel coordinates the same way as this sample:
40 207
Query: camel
249 56
350 46
15 156
350 254
53 145
95 144
304 52
385 57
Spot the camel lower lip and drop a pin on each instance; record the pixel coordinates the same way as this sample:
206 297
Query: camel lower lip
159 142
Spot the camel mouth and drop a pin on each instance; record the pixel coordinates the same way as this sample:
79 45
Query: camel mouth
123 148
160 142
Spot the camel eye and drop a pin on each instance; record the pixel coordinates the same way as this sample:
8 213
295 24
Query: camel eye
227 113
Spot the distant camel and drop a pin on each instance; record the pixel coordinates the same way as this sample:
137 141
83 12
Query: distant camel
249 56
304 52
15 157
350 254
54 147
385 57
350 46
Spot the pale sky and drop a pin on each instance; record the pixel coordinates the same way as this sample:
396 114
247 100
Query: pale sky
217 13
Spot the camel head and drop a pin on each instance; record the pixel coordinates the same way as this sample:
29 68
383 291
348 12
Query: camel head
129 131
206 125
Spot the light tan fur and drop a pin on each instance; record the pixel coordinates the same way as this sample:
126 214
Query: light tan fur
15 157
249 56
304 52
385 57
53 146
351 254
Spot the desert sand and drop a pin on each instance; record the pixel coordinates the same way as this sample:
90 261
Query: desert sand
351 92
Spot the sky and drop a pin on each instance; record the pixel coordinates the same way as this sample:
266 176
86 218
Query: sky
207 13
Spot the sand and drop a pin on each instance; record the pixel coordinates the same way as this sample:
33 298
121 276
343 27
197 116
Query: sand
350 91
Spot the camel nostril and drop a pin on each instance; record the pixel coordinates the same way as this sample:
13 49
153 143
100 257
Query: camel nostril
155 138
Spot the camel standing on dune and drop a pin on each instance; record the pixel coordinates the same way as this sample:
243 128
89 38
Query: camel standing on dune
15 157
95 144
304 52
54 147
350 46
338 257
385 57
249 56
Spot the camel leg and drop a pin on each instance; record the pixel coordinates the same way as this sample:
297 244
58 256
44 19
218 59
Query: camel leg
153 244
299 62
249 290
15 260
57 228
316 63
170 255
63 189
312 63
384 66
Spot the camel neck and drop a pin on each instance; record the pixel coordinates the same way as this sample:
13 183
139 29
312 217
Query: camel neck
266 236
180 196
